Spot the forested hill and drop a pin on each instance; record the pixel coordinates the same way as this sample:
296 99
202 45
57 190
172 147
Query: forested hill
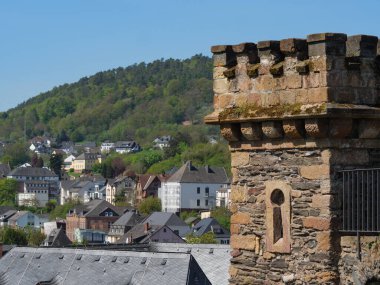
140 101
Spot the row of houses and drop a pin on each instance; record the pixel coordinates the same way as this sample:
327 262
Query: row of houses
188 188
99 221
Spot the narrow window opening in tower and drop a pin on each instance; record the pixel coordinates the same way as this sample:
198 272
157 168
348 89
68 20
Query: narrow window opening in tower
277 199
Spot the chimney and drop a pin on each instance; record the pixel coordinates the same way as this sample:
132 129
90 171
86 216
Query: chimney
146 227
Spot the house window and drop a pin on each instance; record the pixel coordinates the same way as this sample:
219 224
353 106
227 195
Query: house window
206 202
198 202
207 191
198 190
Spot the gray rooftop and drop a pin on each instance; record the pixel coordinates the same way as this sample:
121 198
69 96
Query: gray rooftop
169 219
95 207
128 219
30 266
208 225
214 259
32 171
189 173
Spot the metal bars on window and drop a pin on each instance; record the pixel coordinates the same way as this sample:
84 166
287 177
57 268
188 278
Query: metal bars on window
361 201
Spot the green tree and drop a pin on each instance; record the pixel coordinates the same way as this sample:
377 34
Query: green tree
34 236
207 238
223 216
10 235
56 161
60 211
8 189
15 154
150 205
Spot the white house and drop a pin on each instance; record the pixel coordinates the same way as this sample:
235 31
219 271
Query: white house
39 184
162 142
223 197
68 162
107 146
192 188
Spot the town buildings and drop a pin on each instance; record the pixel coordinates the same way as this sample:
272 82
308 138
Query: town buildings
192 188
37 185
95 215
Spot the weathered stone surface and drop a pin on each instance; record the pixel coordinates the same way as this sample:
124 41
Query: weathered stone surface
272 129
231 132
239 158
318 223
240 218
316 128
313 172
294 129
247 242
238 194
251 131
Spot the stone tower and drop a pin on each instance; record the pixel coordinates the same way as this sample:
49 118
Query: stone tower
296 113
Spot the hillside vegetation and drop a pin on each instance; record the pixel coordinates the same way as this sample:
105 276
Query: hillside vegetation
141 102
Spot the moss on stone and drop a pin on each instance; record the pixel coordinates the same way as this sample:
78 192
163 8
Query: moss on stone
255 111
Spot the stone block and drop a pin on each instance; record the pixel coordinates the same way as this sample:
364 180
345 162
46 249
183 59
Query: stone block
247 242
314 172
272 129
294 47
224 100
238 194
361 46
327 44
318 95
219 72
294 129
293 81
235 229
233 271
316 128
251 131
220 86
324 240
231 132
318 223
240 218
321 201
239 158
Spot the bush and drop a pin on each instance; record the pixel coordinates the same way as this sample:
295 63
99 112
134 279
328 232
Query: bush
150 205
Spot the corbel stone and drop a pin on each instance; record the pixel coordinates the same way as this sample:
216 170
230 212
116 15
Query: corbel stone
294 129
316 128
231 132
253 70
369 128
272 129
340 128
251 131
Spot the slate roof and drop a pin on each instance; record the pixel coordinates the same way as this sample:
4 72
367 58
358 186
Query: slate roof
18 215
207 225
169 219
4 209
214 259
128 219
77 266
32 171
57 237
188 173
95 207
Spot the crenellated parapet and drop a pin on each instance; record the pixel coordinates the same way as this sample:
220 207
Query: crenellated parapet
322 77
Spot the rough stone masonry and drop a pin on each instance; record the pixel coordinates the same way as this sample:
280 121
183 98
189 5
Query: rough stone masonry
295 113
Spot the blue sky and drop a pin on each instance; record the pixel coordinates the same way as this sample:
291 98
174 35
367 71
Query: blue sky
46 43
